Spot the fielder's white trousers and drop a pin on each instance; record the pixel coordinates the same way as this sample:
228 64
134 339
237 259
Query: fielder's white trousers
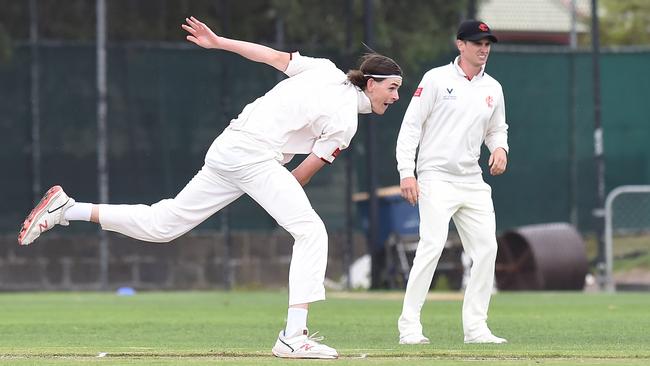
269 183
470 206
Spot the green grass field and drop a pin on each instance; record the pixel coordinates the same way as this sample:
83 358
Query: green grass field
239 328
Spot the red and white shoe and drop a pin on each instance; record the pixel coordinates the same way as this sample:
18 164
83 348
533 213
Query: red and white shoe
302 345
47 214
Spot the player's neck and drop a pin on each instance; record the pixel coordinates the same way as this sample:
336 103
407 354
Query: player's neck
469 69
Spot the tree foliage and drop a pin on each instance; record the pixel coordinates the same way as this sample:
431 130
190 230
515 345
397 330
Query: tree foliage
625 22
411 31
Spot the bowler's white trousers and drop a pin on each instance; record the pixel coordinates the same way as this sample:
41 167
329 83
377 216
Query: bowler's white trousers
221 181
470 205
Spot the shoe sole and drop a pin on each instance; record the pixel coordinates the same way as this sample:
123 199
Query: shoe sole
292 355
282 355
412 343
421 340
487 342
474 342
37 212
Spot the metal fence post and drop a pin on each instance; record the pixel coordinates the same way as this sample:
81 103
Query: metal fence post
35 102
102 138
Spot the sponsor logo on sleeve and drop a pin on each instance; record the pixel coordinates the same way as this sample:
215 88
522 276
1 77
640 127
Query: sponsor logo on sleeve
418 92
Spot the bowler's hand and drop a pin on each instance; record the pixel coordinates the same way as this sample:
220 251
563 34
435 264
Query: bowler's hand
410 190
498 161
200 34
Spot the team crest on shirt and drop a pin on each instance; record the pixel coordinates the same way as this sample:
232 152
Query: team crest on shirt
490 101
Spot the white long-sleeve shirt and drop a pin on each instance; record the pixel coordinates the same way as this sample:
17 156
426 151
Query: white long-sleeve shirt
315 110
449 117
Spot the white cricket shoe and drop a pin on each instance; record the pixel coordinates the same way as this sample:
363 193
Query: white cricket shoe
485 338
414 339
47 214
302 345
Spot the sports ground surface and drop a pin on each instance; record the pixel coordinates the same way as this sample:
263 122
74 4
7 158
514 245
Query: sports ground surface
240 327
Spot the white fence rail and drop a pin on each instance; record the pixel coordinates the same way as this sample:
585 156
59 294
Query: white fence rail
610 230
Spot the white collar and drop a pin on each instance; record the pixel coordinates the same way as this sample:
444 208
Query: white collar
460 70
363 102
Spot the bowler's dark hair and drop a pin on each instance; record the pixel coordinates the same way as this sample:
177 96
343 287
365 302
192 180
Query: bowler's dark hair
373 64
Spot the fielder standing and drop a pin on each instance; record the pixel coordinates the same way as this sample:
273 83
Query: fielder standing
455 109
315 112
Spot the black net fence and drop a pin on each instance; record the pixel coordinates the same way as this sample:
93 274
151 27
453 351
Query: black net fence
166 103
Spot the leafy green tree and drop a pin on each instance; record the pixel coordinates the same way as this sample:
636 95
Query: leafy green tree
417 32
625 22
411 31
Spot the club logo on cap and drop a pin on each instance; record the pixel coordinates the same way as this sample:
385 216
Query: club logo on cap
483 27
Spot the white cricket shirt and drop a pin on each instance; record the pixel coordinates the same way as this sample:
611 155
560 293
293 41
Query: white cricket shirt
449 117
314 110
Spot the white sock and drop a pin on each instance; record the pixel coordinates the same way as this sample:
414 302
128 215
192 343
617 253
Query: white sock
296 321
80 211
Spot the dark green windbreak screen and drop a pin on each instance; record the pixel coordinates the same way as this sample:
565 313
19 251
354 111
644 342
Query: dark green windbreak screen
166 105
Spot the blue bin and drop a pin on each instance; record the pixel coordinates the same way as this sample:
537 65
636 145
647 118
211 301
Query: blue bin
396 216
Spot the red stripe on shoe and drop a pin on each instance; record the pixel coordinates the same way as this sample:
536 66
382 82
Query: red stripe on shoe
36 211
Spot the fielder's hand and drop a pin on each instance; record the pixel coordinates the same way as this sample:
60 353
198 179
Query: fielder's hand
410 190
200 34
498 161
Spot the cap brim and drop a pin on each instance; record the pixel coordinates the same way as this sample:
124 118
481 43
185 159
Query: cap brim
480 36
